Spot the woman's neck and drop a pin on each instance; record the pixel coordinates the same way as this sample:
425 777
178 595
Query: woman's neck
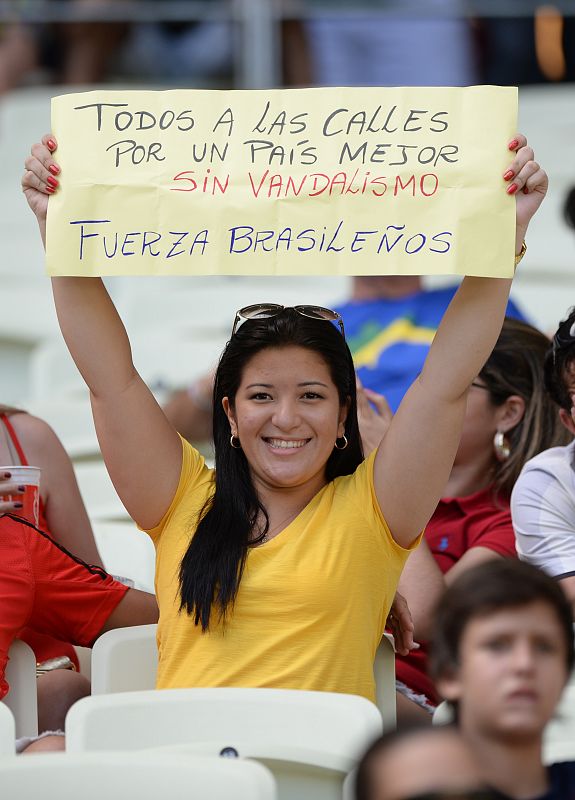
283 505
466 479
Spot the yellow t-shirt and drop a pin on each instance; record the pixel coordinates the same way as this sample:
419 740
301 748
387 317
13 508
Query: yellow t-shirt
312 603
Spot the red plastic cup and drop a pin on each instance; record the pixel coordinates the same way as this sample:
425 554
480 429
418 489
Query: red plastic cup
29 477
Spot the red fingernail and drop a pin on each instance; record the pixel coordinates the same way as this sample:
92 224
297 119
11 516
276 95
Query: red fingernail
7 474
54 169
508 175
52 182
51 144
17 505
513 144
50 189
512 189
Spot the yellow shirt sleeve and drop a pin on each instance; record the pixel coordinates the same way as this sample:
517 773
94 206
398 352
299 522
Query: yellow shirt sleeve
194 473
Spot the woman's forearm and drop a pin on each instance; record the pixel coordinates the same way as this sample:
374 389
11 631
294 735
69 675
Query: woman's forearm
466 336
94 333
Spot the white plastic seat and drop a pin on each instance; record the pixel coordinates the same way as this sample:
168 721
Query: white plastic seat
71 418
310 740
126 659
135 775
7 731
22 698
98 493
559 739
384 673
126 551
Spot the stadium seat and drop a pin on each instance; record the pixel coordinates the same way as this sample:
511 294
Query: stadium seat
144 776
126 660
22 698
7 731
309 740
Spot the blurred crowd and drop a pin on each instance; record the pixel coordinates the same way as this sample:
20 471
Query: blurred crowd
438 43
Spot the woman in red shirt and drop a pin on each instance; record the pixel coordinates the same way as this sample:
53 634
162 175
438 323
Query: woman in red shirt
509 419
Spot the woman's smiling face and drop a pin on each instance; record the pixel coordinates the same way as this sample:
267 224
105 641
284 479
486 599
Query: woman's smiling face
287 415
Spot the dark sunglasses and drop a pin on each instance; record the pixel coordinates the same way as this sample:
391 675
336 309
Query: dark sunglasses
268 310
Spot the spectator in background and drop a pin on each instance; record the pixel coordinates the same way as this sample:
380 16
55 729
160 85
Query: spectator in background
543 501
412 44
51 592
535 45
73 52
502 653
419 763
25 439
508 419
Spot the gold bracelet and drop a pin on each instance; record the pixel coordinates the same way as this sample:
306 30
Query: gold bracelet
520 254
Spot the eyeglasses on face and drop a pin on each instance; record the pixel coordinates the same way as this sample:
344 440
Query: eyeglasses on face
269 310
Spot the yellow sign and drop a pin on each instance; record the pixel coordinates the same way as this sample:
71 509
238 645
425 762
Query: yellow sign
356 181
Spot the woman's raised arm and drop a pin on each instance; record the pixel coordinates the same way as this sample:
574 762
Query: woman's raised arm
141 449
414 461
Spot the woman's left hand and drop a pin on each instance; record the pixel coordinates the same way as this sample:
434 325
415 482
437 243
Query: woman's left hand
373 415
527 181
400 623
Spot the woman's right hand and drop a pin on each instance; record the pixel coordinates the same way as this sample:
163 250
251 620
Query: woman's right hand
9 489
40 177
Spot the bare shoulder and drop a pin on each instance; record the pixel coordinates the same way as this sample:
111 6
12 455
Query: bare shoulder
36 436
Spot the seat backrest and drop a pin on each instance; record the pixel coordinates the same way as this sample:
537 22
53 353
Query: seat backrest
559 738
274 719
125 550
22 699
309 740
384 674
125 660
146 776
7 731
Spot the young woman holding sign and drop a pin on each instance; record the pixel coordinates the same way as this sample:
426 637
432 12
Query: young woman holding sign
279 568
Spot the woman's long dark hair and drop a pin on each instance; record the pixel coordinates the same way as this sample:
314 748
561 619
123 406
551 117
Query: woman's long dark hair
213 564
515 367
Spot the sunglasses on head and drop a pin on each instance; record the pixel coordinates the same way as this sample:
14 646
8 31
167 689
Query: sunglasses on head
269 310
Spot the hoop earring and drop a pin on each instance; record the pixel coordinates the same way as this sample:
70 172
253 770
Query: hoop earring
501 446
341 446
234 438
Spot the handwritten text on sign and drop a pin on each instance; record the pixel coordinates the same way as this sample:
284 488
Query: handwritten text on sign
315 181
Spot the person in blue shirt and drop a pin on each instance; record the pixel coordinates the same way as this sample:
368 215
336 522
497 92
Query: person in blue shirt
390 322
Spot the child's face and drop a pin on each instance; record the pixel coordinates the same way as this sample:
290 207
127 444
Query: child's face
511 672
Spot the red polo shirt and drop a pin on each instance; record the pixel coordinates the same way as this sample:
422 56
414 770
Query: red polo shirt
458 524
